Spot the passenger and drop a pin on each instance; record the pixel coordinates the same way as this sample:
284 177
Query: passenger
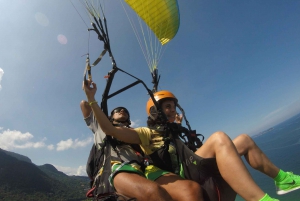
285 181
129 180
217 153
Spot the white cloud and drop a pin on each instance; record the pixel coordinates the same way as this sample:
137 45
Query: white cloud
80 171
38 144
13 139
69 143
10 140
83 143
273 114
277 116
1 74
50 147
63 145
135 124
283 113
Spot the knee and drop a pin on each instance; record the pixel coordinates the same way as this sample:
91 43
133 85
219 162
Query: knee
195 189
220 138
246 140
246 137
192 191
154 192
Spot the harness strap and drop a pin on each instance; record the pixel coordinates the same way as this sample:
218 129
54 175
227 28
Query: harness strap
99 58
145 160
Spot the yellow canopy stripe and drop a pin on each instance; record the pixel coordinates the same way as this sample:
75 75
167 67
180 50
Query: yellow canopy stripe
161 16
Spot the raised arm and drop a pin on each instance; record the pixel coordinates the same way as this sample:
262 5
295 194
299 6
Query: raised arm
121 133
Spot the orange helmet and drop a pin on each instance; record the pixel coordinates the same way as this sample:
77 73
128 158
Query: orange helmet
160 95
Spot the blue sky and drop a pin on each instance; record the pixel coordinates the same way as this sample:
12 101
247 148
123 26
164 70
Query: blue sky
233 65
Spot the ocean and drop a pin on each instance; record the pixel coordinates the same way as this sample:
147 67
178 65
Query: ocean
282 146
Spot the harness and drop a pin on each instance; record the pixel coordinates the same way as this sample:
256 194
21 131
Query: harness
99 168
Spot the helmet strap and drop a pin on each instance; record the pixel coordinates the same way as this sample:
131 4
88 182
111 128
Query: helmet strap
125 124
153 112
122 122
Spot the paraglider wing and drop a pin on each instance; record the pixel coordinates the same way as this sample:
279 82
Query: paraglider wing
162 17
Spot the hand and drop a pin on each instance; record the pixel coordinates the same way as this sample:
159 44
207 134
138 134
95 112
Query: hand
90 90
178 118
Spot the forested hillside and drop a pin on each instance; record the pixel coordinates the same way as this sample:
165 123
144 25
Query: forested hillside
23 180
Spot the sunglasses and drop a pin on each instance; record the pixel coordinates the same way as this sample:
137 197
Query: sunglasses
118 110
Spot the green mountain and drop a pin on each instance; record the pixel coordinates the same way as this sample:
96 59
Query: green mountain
17 156
22 180
80 184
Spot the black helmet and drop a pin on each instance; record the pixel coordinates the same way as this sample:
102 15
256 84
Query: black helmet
118 109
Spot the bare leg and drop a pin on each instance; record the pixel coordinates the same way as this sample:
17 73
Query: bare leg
230 165
180 189
134 186
254 156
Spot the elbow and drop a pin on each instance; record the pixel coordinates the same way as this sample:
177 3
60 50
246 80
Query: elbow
83 103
